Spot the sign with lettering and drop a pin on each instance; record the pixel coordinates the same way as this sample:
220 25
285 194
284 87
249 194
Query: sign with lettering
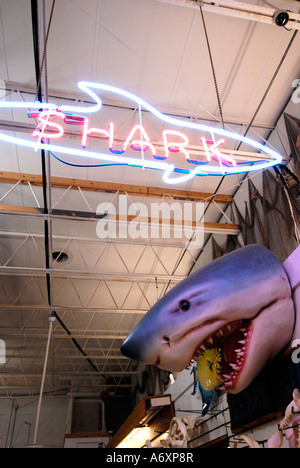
183 150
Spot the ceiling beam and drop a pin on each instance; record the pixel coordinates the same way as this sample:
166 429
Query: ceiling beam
241 10
107 187
71 374
88 239
63 358
62 336
45 308
208 227
31 390
119 277
13 87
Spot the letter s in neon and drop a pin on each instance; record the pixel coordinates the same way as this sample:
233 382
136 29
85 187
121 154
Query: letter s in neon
44 122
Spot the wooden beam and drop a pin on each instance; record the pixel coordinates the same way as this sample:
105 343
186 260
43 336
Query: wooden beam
107 187
206 226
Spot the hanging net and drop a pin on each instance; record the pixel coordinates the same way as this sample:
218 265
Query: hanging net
272 218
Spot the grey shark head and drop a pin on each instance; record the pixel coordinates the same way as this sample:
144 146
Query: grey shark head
240 303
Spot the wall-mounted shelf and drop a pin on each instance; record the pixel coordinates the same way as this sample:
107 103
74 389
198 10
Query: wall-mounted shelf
148 421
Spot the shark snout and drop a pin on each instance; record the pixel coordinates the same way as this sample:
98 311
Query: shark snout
139 349
132 349
159 346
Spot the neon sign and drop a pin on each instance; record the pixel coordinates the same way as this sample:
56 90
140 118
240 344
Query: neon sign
173 153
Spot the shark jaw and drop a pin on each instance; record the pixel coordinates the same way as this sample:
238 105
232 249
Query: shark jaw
232 341
247 345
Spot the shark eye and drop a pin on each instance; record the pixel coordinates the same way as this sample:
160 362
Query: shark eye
184 305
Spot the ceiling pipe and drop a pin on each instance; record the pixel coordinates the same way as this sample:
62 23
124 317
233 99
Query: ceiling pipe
51 320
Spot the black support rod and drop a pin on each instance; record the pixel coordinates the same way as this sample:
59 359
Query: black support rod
36 48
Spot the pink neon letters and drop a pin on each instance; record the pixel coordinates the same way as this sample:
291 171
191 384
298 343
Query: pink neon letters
214 152
144 143
87 132
173 146
138 139
44 122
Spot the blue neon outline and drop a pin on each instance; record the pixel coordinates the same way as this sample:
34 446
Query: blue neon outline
168 168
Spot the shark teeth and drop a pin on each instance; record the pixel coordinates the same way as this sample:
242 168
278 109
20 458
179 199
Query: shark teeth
233 340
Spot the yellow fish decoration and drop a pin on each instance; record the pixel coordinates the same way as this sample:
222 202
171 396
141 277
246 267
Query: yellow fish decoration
207 374
209 369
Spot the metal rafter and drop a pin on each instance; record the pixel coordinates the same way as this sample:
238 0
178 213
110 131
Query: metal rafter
21 88
108 187
241 10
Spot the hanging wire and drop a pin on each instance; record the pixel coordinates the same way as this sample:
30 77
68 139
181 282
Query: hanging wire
44 51
246 132
223 126
270 84
75 342
212 65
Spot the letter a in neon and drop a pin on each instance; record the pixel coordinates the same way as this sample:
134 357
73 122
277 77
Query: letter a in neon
142 144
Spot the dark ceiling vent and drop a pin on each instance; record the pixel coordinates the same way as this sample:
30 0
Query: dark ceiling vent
60 257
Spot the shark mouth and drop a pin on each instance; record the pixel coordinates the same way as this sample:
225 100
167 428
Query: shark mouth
232 341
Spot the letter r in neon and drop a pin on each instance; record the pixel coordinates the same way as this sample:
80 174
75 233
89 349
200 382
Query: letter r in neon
175 146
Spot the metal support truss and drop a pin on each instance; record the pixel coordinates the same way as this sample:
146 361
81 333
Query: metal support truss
23 89
241 10
100 293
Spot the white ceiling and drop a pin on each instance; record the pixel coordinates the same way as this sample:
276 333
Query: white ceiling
156 51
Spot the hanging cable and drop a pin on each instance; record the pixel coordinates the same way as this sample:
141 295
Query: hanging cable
35 32
85 165
41 67
246 132
270 85
78 346
212 65
223 126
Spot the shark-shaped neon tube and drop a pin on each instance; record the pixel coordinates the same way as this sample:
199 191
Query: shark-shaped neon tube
240 303
173 172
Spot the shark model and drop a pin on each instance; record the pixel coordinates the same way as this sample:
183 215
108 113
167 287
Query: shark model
240 304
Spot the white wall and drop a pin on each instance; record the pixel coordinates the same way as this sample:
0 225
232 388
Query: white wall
17 413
